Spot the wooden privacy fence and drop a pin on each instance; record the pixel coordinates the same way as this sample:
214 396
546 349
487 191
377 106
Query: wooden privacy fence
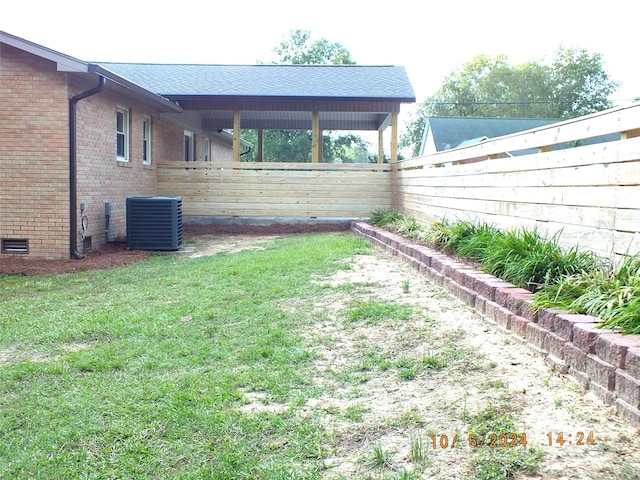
287 190
589 193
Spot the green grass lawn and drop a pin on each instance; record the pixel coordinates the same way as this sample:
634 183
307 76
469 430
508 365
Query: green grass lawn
141 371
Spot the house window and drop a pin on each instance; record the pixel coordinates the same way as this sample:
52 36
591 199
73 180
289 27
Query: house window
122 134
188 146
146 141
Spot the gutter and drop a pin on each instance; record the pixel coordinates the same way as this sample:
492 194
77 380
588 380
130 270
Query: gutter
73 182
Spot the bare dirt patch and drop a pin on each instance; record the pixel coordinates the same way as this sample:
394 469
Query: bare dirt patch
373 402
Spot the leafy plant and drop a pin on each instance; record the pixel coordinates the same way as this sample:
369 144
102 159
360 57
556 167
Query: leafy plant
408 226
611 295
530 260
380 457
385 218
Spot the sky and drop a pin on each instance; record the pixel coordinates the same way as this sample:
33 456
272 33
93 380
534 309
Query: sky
430 39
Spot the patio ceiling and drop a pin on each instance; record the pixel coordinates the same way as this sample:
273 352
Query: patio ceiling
214 120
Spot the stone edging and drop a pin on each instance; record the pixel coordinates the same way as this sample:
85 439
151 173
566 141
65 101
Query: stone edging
606 363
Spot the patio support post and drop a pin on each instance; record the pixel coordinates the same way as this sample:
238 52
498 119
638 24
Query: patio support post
260 145
236 136
380 146
394 137
315 137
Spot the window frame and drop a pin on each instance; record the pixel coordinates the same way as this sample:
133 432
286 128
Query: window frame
146 140
124 134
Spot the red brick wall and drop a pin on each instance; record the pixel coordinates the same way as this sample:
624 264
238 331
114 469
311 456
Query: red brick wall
34 154
102 178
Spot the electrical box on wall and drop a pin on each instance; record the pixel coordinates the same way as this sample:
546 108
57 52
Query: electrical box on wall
154 223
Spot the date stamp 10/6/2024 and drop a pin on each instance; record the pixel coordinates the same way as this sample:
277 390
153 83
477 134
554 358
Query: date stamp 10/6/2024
495 440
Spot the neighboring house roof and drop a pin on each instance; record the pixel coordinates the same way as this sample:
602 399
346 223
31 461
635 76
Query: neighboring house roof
444 133
452 132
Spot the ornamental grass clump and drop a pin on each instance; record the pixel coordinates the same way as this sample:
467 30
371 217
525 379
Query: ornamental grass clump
613 295
385 218
529 260
568 279
473 240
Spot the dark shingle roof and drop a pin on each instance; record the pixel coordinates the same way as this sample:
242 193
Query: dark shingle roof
450 132
311 81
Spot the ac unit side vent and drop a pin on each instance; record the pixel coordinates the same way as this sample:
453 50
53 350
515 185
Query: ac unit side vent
154 223
12 245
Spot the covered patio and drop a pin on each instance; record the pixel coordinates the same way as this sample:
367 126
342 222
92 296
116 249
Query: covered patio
280 97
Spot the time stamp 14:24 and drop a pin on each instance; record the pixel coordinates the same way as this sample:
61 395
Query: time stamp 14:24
494 440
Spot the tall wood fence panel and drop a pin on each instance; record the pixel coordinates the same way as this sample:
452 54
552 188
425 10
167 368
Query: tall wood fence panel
588 194
253 189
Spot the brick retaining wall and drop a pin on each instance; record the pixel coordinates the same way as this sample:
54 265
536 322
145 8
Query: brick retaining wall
605 362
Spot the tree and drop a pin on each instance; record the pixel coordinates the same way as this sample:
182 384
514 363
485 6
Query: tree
573 84
295 145
299 49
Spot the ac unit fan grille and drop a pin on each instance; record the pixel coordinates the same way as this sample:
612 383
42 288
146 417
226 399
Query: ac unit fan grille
154 223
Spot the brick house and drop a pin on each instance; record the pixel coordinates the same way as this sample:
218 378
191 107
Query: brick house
76 135
36 86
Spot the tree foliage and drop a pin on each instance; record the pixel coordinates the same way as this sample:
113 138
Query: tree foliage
573 84
299 49
295 145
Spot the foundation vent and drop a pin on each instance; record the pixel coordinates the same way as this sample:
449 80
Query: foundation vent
11 245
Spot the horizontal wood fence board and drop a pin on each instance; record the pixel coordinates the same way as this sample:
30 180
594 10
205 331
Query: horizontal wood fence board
268 176
283 211
597 175
355 201
606 154
627 220
318 191
595 217
626 243
265 166
590 196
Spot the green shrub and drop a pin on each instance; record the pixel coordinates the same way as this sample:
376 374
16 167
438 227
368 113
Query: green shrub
565 278
408 226
385 218
470 240
612 295
527 259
